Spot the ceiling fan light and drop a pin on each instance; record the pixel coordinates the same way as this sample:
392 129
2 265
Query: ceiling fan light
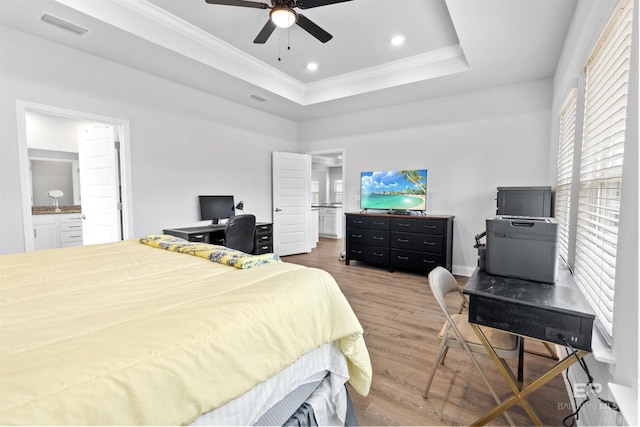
283 17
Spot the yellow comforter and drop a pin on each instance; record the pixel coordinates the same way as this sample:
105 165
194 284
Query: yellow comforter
125 333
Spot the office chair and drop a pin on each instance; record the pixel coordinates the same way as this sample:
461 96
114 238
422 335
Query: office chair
240 232
456 331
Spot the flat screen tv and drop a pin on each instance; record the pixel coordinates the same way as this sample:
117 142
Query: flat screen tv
214 208
394 190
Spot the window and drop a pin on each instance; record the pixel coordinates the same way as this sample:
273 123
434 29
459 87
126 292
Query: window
315 192
602 152
337 190
565 172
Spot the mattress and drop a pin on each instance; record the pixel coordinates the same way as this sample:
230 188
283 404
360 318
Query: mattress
124 333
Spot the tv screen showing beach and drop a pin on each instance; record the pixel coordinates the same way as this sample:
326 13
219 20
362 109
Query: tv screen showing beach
394 190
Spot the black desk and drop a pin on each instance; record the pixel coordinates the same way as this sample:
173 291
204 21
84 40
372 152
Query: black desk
553 313
214 233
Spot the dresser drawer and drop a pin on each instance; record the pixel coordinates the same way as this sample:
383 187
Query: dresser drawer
430 226
417 242
189 235
197 237
71 236
377 223
403 224
370 254
262 229
413 225
263 248
264 238
356 221
417 261
71 225
368 237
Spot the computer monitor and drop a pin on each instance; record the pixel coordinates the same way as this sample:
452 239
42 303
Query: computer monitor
214 208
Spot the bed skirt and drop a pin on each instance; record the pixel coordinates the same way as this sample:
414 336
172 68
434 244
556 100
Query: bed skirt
310 392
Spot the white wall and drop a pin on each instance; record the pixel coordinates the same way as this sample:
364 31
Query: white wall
589 20
470 143
183 142
46 132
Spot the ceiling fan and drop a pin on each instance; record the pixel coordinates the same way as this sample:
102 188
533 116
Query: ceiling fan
282 15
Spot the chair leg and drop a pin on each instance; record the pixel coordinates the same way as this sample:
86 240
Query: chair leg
441 353
444 355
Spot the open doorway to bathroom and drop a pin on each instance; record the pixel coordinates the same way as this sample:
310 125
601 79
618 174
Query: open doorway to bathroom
49 155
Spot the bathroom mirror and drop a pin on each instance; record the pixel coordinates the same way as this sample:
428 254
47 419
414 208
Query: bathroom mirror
54 174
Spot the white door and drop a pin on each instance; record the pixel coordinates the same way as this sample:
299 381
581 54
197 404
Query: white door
291 203
99 186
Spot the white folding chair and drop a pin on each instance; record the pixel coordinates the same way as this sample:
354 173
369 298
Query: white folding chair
456 331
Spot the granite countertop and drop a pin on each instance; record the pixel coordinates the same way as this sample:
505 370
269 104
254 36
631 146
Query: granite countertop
47 210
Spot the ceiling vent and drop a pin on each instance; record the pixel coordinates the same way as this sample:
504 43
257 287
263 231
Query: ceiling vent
63 23
258 97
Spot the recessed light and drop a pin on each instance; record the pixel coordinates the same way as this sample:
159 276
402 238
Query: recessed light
312 66
397 40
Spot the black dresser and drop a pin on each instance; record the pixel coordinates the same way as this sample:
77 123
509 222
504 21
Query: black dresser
405 242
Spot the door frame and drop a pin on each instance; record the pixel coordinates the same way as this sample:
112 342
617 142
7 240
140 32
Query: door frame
23 158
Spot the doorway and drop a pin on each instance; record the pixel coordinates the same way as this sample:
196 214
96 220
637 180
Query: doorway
327 176
328 193
123 166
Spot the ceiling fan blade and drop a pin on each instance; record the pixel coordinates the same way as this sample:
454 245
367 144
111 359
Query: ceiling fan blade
266 31
242 3
311 28
308 4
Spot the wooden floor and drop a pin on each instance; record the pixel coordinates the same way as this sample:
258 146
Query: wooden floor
401 323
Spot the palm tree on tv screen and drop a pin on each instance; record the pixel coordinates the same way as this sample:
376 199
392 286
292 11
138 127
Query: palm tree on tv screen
415 177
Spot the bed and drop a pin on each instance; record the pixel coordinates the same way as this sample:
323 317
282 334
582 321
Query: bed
129 333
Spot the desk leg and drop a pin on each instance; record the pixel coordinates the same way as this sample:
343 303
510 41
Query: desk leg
520 395
509 377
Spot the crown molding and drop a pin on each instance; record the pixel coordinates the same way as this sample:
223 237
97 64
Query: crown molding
154 24
145 20
437 63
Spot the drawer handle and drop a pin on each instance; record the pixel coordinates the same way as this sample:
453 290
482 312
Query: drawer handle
75 226
264 227
403 225
357 236
378 223
430 243
377 254
428 261
403 240
357 222
404 258
264 237
264 247
76 236
430 226
198 236
356 252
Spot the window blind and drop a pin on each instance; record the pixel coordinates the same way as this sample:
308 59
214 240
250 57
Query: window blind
606 89
565 171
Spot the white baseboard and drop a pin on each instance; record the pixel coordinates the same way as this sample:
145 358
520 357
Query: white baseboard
462 270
